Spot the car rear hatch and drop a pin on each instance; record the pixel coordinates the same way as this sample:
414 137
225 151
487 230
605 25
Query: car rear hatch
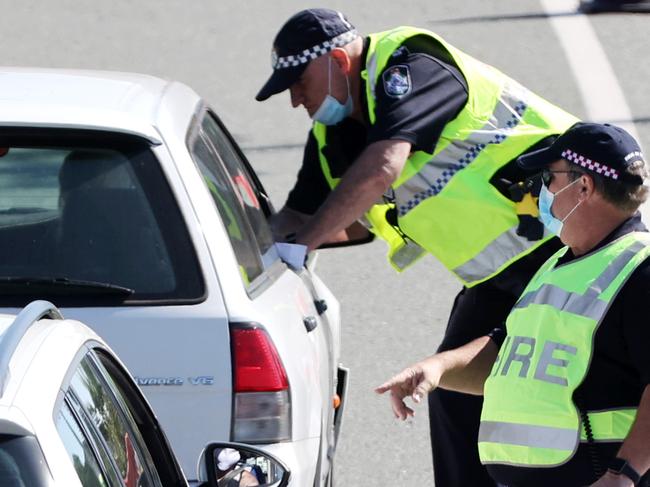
89 221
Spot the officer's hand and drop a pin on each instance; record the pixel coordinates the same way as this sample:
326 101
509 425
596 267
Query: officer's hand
285 223
612 480
415 381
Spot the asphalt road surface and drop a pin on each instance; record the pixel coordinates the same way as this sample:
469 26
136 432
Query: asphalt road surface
596 67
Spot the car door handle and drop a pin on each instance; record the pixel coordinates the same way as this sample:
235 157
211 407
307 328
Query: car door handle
310 323
321 306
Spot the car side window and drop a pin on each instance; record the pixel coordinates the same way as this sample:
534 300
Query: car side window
102 405
230 208
246 186
80 449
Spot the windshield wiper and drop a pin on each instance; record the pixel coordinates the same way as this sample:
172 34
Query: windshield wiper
60 285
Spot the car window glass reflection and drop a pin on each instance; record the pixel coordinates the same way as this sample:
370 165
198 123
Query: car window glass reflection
244 184
230 209
121 440
79 449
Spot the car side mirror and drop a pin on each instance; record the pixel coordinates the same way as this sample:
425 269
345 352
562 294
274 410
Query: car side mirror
229 464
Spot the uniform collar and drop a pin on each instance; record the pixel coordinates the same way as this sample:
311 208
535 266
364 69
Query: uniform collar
632 224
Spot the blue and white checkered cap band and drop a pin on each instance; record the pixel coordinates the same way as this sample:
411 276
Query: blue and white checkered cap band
587 163
313 52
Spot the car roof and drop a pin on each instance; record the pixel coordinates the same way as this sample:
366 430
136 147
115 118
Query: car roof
105 100
34 362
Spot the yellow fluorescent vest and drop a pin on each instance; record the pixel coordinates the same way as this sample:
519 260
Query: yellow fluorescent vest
444 201
529 418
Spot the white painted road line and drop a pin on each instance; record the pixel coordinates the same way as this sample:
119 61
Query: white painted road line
601 93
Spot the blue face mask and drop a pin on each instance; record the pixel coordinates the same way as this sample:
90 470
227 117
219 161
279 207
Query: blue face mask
332 111
552 224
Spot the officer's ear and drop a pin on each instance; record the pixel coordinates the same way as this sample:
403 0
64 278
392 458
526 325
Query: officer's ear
341 57
586 186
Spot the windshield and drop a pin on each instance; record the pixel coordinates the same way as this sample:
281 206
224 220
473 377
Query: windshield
86 207
22 463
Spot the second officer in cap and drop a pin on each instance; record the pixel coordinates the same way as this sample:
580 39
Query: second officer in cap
566 381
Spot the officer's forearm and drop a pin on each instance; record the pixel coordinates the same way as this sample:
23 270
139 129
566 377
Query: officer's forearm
466 368
636 447
361 187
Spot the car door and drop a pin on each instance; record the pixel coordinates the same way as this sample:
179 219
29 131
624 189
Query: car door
109 431
286 300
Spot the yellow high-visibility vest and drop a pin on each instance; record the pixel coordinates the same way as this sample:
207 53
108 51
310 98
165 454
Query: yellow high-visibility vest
529 418
444 201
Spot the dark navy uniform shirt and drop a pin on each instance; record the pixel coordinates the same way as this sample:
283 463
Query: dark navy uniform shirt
617 376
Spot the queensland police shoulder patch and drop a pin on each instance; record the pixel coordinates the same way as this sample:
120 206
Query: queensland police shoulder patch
397 81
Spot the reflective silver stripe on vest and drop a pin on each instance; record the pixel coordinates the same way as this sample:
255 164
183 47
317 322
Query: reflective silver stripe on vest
614 269
587 304
527 435
407 254
371 67
493 256
578 304
432 178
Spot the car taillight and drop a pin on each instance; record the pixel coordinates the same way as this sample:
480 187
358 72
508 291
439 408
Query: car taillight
257 364
262 400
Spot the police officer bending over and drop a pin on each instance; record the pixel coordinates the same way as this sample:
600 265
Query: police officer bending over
565 384
418 140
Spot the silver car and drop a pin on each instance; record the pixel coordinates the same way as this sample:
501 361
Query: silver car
124 200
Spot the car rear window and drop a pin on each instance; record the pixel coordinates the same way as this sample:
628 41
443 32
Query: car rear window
88 217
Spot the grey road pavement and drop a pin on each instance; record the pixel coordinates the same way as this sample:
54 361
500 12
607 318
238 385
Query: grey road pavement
222 49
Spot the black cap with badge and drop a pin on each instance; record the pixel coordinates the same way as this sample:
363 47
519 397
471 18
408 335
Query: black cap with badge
603 149
305 36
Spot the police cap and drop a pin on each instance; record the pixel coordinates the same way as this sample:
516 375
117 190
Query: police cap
603 149
305 36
